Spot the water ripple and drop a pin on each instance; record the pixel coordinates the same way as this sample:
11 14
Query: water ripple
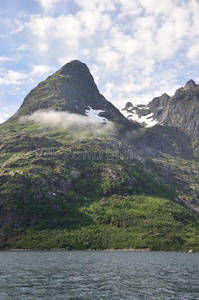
98 275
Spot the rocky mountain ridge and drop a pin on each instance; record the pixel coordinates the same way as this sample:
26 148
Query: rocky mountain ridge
180 112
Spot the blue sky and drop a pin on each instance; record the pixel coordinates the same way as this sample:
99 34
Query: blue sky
135 49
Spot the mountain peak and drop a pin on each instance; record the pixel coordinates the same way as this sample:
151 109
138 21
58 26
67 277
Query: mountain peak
75 68
76 62
190 85
128 105
71 89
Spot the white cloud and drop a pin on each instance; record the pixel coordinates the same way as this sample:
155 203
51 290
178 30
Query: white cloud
68 35
192 9
3 117
95 72
48 5
41 26
193 53
12 77
41 70
157 7
18 27
121 93
43 47
91 21
109 57
130 46
67 29
182 22
124 44
62 30
5 59
97 5
141 89
64 60
23 47
16 90
129 7
7 112
65 119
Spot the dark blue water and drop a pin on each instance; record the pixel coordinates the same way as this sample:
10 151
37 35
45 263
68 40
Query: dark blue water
98 275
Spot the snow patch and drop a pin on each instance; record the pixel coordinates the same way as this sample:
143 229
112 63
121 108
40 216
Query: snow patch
126 113
144 107
148 119
94 115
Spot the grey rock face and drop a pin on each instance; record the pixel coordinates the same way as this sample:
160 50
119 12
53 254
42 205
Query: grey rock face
182 111
159 102
190 85
128 105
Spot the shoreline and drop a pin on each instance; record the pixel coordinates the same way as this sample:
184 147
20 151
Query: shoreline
100 250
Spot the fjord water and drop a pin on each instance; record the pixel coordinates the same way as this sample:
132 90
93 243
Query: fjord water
98 275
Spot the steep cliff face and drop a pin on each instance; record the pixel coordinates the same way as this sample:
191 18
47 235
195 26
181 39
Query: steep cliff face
182 110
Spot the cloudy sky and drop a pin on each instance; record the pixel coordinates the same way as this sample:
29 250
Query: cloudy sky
135 49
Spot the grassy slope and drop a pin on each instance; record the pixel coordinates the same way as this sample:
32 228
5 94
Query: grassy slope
119 222
99 211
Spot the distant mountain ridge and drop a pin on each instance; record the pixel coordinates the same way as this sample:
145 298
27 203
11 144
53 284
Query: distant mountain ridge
180 111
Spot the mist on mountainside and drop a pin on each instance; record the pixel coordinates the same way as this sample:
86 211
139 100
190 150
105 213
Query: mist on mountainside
66 120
